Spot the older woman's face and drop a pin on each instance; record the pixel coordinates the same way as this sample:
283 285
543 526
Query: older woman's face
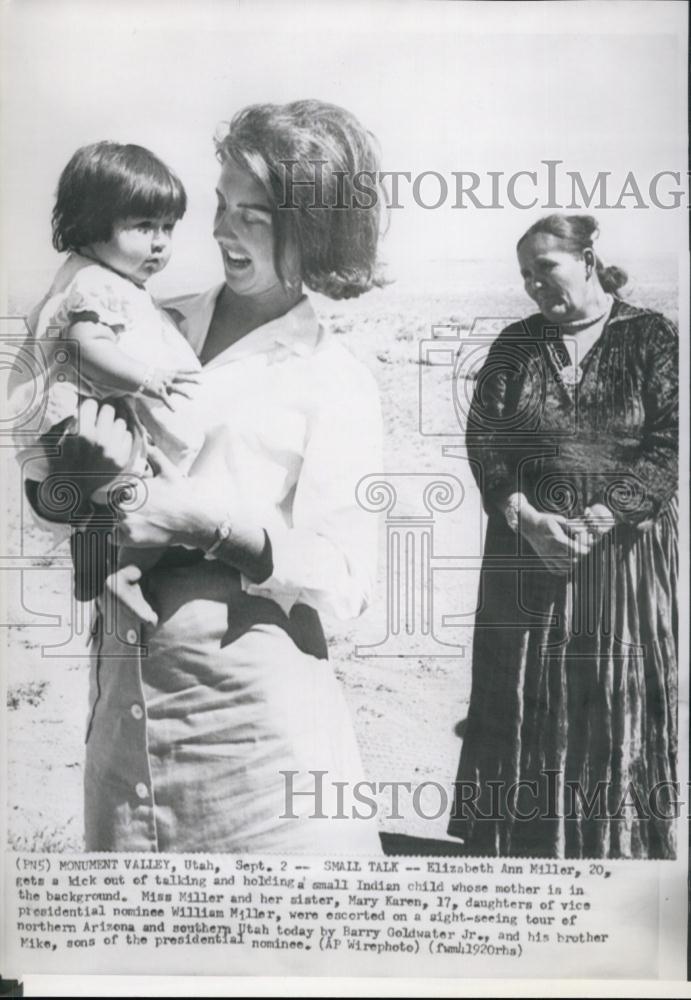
243 229
554 277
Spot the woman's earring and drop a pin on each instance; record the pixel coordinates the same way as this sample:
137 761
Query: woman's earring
589 263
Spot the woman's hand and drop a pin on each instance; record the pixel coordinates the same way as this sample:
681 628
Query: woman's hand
558 542
599 519
595 522
101 445
168 509
174 510
94 450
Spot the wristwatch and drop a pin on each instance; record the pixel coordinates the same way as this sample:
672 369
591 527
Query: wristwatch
223 532
146 382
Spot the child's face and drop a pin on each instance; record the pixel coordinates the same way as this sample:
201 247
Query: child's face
138 248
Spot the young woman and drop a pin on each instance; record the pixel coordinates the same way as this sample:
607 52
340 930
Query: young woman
222 727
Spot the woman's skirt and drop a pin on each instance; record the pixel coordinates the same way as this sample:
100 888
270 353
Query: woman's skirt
571 739
222 729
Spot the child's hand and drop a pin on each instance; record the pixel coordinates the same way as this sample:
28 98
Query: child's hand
161 383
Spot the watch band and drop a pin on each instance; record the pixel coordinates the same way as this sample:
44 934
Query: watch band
146 382
223 532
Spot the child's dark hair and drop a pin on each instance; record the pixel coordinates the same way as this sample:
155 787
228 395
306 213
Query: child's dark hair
335 225
105 182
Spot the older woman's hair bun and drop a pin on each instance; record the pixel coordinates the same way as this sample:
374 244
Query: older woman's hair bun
579 232
612 278
319 169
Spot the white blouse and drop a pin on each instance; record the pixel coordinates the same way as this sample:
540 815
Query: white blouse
292 423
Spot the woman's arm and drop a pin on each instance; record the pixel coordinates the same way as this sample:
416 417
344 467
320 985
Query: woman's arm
175 510
494 434
491 428
644 472
327 557
654 461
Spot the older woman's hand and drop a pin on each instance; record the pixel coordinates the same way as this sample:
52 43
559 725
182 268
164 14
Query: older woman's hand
554 539
599 519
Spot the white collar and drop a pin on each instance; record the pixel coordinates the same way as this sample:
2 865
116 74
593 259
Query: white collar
298 330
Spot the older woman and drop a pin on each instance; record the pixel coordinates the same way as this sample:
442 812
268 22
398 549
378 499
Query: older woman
570 745
223 728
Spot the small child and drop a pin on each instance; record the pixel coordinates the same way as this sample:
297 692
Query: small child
115 212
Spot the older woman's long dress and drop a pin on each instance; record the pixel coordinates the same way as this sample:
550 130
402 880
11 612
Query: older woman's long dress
571 738
224 728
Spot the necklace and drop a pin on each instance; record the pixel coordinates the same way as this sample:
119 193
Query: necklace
572 374
576 325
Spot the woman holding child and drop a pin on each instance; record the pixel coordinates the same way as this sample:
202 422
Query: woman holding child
208 717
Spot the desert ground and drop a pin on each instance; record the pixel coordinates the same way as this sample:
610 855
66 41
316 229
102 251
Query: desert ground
407 709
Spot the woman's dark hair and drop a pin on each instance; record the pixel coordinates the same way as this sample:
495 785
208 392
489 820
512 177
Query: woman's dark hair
579 233
319 169
105 182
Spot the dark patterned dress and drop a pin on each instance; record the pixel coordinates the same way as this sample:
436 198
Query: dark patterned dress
571 738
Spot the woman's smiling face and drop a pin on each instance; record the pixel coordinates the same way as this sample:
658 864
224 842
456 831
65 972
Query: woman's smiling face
244 231
555 278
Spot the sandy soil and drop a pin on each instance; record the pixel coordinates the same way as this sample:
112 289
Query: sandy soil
406 709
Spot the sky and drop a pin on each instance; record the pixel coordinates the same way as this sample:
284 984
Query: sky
444 86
